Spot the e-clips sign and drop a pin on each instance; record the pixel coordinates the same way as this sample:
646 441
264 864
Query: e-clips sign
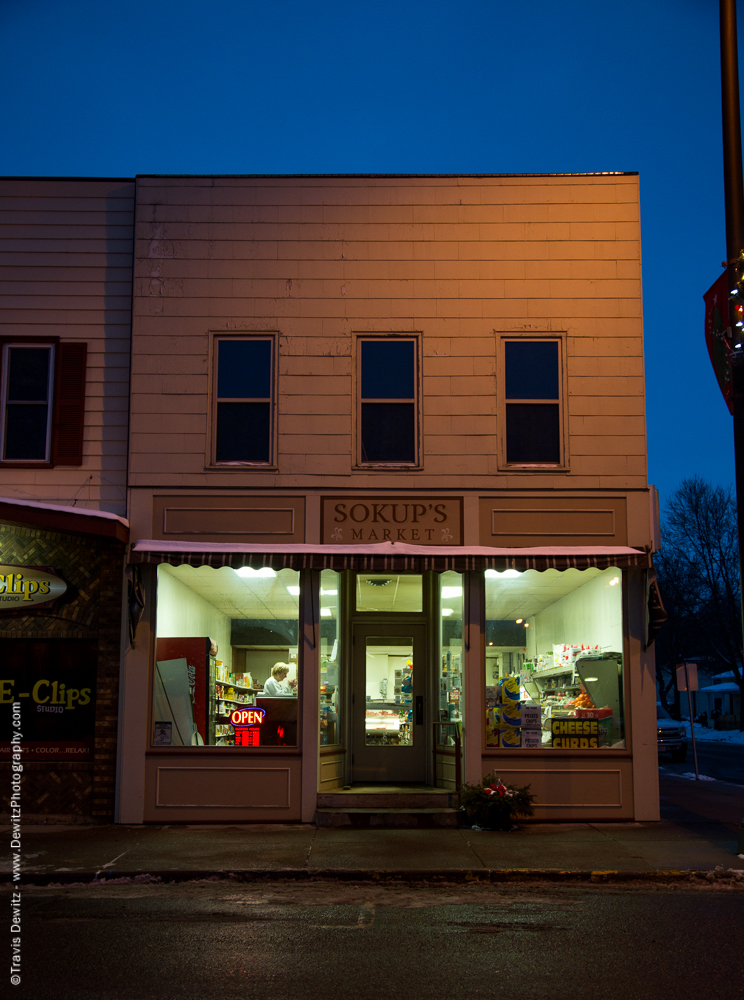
25 587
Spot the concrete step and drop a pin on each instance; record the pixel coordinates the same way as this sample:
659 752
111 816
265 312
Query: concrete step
387 819
426 798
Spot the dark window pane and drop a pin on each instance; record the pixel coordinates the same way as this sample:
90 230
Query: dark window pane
243 432
388 369
25 432
28 373
244 369
533 433
388 432
531 369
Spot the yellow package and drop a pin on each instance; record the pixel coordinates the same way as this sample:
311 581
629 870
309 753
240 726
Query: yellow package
510 689
511 715
510 738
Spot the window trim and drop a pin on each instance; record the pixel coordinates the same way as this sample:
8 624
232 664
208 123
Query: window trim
563 465
418 428
211 462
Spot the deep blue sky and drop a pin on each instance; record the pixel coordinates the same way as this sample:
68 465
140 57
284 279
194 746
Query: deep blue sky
412 86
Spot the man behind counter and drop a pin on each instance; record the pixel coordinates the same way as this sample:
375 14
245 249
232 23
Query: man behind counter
277 685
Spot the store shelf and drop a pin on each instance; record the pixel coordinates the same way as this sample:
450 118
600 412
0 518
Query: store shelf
555 672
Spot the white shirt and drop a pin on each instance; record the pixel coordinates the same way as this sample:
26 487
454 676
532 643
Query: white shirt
277 689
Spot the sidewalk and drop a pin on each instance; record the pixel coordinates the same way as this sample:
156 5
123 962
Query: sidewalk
698 832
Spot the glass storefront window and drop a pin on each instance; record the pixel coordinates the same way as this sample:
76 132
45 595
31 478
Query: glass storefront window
388 592
226 657
554 663
330 680
450 668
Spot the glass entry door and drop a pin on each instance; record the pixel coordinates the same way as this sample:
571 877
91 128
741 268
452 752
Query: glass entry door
389 703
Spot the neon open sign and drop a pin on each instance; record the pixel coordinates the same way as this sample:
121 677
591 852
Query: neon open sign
247 717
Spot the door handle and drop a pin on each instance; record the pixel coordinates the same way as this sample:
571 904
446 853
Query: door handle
419 710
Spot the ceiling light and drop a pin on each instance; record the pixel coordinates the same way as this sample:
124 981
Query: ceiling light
328 593
614 580
451 592
526 624
519 621
294 591
446 612
248 572
325 613
590 679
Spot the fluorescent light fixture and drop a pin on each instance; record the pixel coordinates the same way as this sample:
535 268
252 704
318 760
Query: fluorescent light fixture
446 612
328 593
294 591
325 613
451 592
248 572
507 574
590 679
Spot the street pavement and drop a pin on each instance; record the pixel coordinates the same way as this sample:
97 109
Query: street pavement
327 940
698 832
722 761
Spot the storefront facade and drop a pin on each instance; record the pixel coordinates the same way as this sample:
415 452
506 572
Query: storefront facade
66 266
387 495
61 578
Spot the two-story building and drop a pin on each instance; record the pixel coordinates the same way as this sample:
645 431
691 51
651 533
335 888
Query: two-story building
65 290
388 496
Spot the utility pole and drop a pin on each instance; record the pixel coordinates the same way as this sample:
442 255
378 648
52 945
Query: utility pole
733 183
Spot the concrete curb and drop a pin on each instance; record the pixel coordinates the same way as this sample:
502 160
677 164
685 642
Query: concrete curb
421 876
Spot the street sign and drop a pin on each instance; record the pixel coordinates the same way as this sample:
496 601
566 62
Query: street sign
717 325
687 677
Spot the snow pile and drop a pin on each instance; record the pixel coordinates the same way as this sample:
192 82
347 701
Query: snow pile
716 736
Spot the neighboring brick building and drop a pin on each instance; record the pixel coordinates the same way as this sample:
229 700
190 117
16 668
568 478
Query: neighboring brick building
65 274
453 365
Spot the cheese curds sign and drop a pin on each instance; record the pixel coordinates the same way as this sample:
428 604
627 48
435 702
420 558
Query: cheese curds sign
575 734
26 587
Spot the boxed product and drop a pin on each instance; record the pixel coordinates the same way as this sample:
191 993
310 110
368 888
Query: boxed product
509 689
567 655
510 738
532 738
511 715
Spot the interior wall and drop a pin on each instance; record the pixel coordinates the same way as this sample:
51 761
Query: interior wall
591 614
181 612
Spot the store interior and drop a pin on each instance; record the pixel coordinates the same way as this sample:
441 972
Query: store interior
228 638
554 659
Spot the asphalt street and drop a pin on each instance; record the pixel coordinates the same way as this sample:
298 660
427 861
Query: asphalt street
223 940
722 761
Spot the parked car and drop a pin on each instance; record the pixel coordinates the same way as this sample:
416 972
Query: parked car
671 735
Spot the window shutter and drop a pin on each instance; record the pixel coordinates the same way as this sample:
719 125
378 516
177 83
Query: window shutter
69 404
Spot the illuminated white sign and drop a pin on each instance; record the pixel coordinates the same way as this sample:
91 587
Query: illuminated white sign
23 587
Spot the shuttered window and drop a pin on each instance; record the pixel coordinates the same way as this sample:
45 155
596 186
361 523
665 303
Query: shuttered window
43 403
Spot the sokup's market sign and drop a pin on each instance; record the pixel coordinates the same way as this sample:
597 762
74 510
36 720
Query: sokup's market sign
24 587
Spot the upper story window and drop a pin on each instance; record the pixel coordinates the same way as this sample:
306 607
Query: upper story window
532 397
243 401
388 402
43 403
